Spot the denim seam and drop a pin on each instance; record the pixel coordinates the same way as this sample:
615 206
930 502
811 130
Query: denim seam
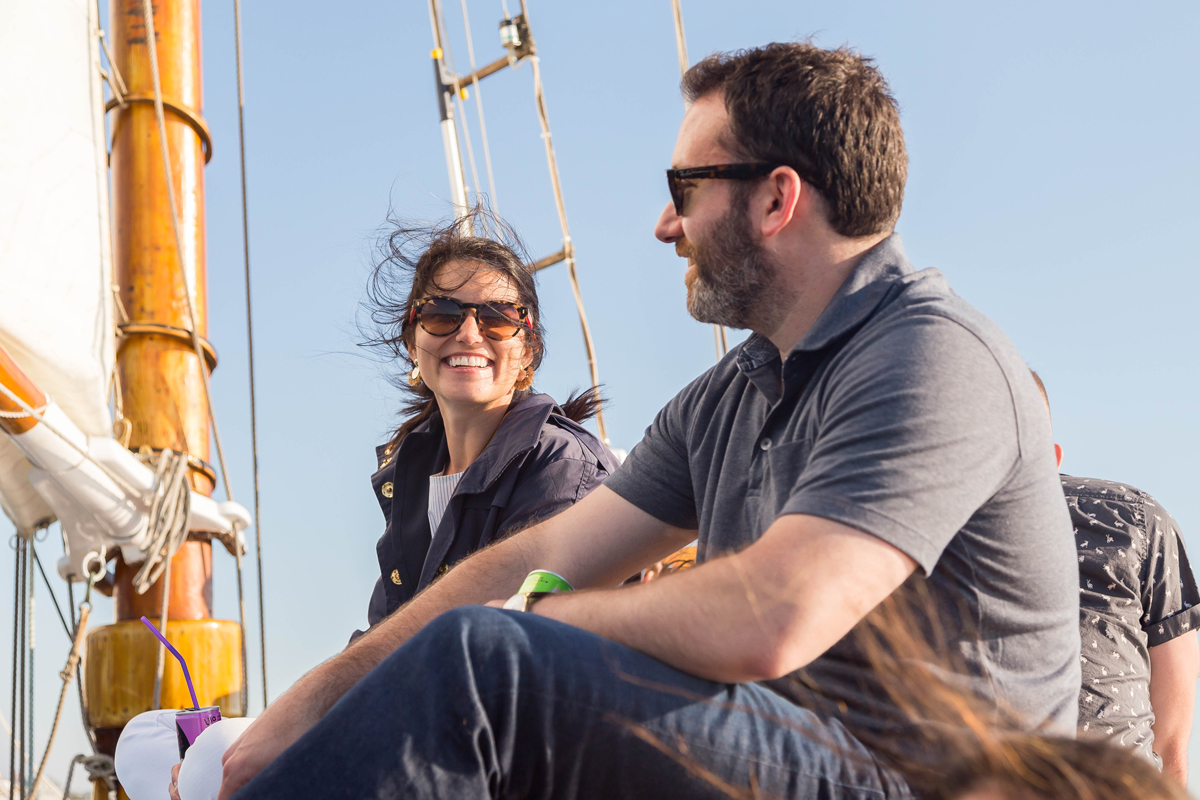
734 753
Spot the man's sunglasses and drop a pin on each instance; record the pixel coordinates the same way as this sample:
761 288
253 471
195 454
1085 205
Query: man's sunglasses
442 316
723 172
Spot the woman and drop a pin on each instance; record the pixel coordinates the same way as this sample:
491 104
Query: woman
479 455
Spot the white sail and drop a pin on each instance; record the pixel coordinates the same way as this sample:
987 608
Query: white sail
55 264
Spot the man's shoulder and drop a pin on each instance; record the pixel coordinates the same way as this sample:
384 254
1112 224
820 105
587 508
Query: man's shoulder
924 299
1110 491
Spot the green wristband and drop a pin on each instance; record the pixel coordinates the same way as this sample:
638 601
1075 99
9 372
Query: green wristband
544 581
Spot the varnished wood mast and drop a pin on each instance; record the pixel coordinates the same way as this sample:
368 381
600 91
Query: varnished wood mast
162 388
163 396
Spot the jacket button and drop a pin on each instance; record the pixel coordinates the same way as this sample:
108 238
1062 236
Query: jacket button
396 577
386 491
765 444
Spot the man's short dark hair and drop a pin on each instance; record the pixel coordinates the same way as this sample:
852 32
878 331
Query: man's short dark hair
828 114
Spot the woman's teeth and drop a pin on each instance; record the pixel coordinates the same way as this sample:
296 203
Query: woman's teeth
467 361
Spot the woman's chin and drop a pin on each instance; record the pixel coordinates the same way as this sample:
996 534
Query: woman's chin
480 394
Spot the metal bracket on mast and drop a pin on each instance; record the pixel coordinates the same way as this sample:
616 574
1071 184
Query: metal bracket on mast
445 90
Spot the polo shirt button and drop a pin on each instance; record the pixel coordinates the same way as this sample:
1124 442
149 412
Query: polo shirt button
386 489
765 444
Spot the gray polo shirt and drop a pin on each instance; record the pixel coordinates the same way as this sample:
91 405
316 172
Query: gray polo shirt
907 414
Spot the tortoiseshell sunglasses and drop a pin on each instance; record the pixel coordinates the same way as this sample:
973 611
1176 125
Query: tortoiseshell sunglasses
724 172
442 316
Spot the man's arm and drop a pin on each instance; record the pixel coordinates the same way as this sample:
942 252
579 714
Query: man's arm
599 541
754 615
1174 667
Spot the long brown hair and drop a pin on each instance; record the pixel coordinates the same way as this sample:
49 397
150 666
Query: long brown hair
410 255
971 743
962 743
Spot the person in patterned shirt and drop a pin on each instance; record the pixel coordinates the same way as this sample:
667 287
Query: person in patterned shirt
1138 613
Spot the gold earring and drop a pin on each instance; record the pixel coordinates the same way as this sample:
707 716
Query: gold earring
414 377
526 379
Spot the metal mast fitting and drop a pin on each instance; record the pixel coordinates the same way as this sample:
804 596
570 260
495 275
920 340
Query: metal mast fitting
518 41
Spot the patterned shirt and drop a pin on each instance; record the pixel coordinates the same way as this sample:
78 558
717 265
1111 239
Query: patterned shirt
1136 591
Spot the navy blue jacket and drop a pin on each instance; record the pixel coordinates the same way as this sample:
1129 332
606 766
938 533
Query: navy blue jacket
538 463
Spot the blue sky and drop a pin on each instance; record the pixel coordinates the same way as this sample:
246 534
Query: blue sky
1052 179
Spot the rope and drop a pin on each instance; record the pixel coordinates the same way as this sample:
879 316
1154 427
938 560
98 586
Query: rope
680 39
487 155
160 114
160 651
67 675
99 767
170 503
568 247
720 337
87 728
262 625
25 413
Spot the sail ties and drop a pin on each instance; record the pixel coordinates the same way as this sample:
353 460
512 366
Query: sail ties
24 414
170 504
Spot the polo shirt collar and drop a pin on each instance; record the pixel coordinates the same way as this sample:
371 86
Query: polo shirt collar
856 299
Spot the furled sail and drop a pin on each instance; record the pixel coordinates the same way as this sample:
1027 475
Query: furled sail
55 272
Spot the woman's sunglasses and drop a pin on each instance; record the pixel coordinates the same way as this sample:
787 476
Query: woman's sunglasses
442 316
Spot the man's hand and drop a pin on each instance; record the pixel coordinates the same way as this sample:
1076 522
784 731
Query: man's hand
173 789
284 721
597 542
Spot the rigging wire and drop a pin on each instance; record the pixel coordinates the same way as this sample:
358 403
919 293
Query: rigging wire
487 155
12 739
568 247
720 336
262 625
152 48
50 589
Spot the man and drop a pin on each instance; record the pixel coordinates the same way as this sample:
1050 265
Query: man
874 425
1139 609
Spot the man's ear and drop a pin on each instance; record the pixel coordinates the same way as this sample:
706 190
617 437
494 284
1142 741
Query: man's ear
1058 454
784 197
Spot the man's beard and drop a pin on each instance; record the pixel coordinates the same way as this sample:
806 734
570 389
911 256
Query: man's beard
733 273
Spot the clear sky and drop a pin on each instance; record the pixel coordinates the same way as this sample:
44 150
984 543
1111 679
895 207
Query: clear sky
1052 179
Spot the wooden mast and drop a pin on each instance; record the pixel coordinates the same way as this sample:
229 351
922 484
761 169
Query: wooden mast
161 386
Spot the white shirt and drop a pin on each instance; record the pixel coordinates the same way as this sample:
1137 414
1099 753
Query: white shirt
441 489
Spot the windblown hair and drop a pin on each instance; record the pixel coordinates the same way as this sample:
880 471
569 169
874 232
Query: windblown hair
410 255
971 744
828 114
962 744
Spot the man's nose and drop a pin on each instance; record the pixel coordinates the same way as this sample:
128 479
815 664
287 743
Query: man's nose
669 227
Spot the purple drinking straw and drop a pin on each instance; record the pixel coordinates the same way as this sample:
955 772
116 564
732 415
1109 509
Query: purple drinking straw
174 652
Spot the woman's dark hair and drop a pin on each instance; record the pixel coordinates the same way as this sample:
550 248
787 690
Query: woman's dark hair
410 256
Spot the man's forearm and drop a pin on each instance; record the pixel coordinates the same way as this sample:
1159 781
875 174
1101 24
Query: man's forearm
751 616
1175 761
494 572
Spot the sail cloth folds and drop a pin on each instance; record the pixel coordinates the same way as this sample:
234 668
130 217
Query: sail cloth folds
55 262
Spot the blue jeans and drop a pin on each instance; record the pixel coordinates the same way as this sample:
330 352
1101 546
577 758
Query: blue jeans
486 703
